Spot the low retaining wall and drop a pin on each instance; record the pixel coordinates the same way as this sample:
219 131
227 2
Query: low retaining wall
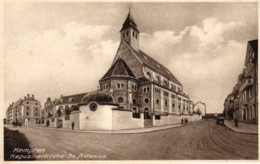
173 119
124 120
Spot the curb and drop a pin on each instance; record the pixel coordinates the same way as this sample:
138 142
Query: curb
118 131
252 133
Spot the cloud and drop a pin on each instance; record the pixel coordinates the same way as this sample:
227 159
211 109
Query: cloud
57 62
202 58
211 34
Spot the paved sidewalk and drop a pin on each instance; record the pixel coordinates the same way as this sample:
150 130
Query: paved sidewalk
242 127
139 130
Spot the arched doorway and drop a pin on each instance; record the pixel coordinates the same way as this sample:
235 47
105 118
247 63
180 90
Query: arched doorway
146 114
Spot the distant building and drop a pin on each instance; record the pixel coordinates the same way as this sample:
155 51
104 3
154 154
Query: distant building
242 102
27 110
200 108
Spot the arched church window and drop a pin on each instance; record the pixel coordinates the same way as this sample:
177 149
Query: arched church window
157 101
122 85
134 101
118 85
146 100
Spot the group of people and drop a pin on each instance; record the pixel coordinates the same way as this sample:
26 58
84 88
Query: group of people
184 121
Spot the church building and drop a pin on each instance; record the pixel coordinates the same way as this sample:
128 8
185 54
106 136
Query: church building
141 84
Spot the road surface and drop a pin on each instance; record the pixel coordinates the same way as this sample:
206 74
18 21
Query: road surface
204 140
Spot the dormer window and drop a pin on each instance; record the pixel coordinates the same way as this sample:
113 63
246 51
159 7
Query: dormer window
165 83
149 75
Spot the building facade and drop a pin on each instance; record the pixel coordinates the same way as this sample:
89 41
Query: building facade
242 103
27 111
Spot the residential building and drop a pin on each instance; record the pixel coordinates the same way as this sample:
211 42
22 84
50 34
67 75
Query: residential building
243 101
27 110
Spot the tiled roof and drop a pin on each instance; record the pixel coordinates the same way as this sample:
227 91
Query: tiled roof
118 69
155 65
67 99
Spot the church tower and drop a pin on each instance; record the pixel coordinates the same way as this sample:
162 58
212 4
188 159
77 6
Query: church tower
130 33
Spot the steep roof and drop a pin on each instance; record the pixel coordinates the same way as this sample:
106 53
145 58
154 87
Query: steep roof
149 61
68 99
119 69
129 22
254 45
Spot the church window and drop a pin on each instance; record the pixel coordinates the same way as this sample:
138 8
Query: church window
173 96
144 90
120 99
122 85
35 114
166 103
27 113
93 107
27 102
123 35
146 100
118 85
134 101
157 101
172 105
148 89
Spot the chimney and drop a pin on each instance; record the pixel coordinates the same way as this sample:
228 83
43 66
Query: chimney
28 95
32 96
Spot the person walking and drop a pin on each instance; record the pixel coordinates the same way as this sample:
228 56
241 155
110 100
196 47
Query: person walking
236 122
72 125
182 121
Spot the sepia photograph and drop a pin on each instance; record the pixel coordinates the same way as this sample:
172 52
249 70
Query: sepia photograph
130 81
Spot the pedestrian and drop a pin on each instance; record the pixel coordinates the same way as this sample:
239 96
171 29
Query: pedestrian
182 121
72 125
236 122
185 121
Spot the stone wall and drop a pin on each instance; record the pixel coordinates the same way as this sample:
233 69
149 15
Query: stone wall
74 117
124 120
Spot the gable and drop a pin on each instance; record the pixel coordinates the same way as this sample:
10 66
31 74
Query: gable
129 57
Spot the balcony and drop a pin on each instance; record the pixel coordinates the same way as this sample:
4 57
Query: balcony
247 84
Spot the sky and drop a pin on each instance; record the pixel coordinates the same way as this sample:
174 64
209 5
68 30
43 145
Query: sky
62 48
